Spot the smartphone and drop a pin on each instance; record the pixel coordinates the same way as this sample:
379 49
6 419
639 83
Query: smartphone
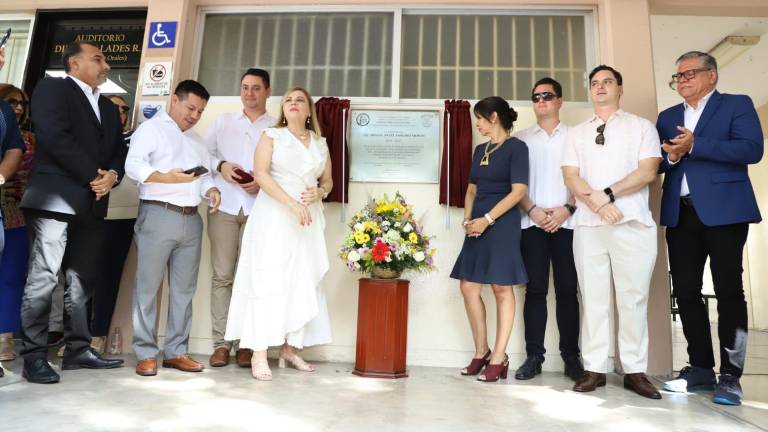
244 176
5 38
668 142
197 171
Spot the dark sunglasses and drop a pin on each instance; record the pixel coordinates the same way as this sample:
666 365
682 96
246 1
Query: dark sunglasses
124 109
547 96
15 103
600 138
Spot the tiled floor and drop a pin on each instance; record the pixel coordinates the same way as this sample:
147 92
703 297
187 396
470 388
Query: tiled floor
332 399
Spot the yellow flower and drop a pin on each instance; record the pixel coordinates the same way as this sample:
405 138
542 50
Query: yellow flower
361 237
413 238
372 227
432 251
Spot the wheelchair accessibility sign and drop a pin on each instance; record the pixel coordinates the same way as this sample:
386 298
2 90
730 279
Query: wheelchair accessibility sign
162 34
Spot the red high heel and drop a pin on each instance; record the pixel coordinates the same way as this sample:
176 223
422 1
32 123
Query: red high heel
492 372
477 364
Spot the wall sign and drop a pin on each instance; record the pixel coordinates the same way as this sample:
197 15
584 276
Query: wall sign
162 34
121 45
156 79
148 109
394 146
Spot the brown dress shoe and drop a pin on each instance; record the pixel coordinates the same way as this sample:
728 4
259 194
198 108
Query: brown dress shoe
244 357
147 367
184 363
220 357
639 383
589 382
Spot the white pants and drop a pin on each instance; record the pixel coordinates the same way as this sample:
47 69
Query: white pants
625 253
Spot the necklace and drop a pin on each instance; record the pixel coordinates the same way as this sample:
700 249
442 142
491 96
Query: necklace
487 153
301 136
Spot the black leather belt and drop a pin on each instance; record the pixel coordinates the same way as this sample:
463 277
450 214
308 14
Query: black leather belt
173 207
686 201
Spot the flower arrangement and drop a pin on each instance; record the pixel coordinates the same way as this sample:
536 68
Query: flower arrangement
385 235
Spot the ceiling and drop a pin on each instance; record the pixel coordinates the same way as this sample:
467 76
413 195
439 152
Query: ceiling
673 35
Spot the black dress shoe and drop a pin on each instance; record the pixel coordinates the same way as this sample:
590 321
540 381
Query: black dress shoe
574 369
38 371
89 359
529 369
2 372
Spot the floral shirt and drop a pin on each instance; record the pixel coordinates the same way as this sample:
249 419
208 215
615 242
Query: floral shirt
12 190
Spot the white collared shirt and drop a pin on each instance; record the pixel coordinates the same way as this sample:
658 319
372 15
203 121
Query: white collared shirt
691 119
91 93
628 140
159 145
546 187
233 138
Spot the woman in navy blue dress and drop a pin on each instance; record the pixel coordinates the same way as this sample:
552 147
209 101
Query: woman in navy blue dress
491 251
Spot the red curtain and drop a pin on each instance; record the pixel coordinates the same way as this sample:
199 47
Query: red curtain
457 159
330 115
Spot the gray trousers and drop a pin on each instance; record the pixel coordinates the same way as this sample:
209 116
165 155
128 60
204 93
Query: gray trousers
66 243
165 239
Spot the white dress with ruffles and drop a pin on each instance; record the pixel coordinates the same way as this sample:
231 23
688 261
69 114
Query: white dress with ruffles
277 293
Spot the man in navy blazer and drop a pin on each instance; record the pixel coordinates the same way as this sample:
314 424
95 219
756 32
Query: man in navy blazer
709 141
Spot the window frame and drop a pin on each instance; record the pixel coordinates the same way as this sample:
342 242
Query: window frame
591 39
32 18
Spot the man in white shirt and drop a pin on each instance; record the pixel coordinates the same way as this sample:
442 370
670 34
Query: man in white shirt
547 236
231 142
609 161
168 228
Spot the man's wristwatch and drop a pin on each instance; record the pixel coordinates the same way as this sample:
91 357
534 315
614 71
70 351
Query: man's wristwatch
608 191
218 167
571 208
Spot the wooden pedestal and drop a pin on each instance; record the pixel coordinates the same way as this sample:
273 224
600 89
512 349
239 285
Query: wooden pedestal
382 328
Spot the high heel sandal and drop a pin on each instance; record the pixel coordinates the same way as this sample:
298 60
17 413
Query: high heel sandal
492 372
477 364
297 362
260 370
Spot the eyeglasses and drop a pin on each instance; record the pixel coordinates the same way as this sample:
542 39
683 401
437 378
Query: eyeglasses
546 96
17 103
124 108
600 138
687 74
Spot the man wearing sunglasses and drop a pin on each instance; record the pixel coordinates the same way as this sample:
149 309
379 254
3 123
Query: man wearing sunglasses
547 236
609 161
709 141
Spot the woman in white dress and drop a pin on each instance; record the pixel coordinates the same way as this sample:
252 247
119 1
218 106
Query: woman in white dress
276 297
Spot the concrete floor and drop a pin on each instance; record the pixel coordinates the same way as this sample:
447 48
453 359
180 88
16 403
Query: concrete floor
331 399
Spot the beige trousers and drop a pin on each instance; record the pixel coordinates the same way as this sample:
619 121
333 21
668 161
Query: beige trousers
226 233
624 254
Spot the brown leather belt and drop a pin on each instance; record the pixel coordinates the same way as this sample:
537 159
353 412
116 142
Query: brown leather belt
168 206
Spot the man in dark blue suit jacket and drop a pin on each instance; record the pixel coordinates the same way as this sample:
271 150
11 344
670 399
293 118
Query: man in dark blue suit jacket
707 206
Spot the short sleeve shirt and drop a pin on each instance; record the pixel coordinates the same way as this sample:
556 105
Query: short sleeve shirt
628 140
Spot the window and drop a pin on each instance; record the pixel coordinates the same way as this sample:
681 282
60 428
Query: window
340 54
15 50
434 55
473 56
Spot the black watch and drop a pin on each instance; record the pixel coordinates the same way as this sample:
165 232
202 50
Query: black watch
218 167
608 191
571 208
